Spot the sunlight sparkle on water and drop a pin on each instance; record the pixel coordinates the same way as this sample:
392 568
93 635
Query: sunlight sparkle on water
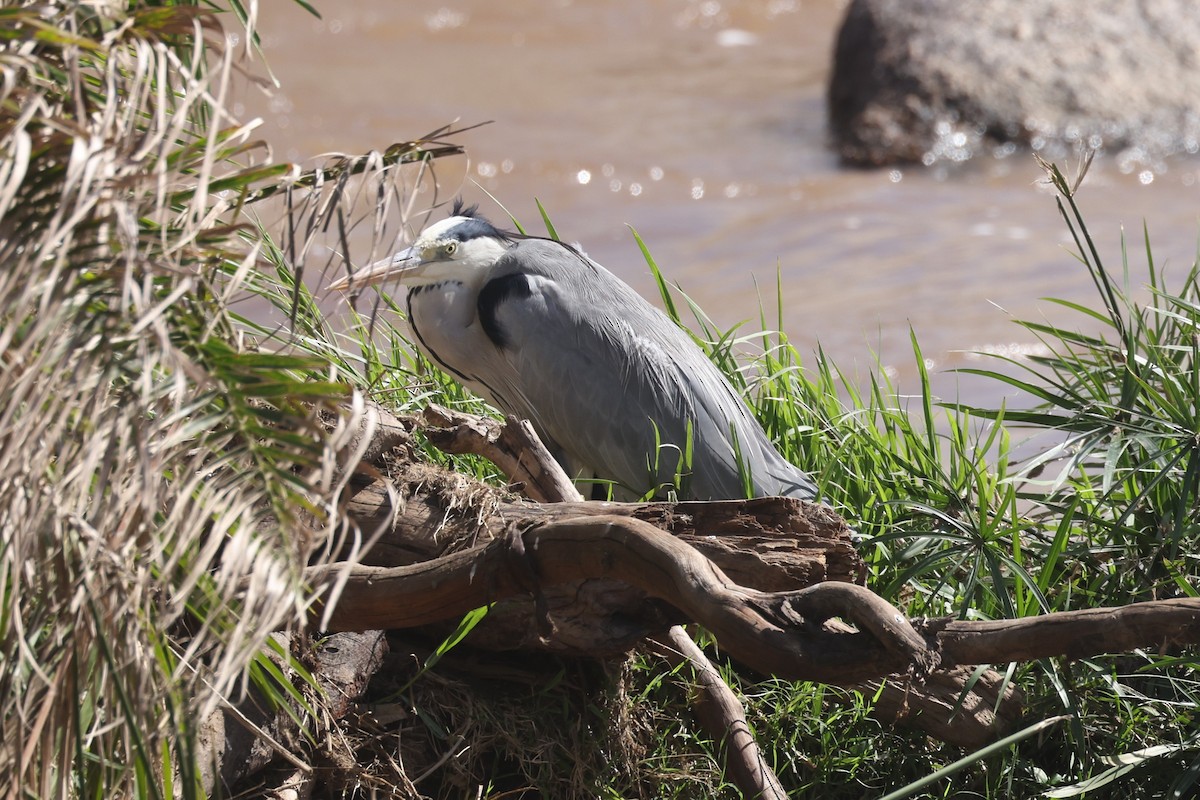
444 19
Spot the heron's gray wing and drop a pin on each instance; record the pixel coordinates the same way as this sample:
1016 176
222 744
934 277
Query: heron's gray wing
615 385
579 374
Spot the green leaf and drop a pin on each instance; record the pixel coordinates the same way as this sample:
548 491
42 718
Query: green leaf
465 626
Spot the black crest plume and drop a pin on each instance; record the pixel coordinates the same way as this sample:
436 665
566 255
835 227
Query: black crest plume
475 224
461 210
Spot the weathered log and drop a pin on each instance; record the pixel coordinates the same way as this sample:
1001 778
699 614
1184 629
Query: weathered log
771 544
775 633
1160 625
781 634
766 544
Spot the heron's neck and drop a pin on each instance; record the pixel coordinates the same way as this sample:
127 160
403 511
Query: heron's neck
442 308
446 293
442 317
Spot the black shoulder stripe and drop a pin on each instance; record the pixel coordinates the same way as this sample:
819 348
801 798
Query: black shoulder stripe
495 292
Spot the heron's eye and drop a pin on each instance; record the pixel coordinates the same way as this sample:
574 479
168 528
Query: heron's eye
449 247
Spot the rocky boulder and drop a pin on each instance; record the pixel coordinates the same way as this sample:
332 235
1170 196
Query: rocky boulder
926 80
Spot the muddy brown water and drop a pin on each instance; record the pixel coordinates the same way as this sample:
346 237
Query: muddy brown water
701 124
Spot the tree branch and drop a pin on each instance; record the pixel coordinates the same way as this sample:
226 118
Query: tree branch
721 714
775 633
1156 624
771 632
513 446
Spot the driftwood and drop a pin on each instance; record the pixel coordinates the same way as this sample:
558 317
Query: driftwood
776 633
750 557
775 580
770 544
514 447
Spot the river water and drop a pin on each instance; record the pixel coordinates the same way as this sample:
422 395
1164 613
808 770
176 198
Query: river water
701 124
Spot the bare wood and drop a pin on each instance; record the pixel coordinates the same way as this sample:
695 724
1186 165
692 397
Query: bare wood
758 628
1158 624
767 544
770 543
513 446
298 785
939 707
722 715
775 633
244 739
387 433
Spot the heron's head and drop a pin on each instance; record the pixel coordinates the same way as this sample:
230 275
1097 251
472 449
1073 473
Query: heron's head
460 248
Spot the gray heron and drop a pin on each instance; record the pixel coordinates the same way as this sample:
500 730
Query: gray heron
615 389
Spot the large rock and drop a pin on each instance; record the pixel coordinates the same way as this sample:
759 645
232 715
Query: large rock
922 80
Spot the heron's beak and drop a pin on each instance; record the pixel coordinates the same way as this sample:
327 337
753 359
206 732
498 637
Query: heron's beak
402 264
